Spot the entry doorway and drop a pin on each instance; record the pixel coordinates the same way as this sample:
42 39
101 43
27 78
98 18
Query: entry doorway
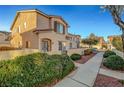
46 45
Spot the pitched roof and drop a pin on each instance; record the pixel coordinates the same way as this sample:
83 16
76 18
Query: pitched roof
36 10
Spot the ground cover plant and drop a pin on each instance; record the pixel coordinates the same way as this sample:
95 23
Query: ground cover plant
75 57
108 53
34 70
114 62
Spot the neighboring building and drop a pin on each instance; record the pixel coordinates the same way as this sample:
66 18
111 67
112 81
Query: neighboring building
36 30
101 43
110 39
4 38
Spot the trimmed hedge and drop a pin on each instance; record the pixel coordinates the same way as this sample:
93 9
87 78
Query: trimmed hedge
114 62
34 70
75 57
88 51
108 53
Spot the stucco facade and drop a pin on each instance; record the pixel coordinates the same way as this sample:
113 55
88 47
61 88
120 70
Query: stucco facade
4 38
36 30
110 39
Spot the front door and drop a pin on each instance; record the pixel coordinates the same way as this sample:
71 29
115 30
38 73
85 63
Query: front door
45 46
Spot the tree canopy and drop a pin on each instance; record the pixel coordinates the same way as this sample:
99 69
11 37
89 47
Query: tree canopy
91 40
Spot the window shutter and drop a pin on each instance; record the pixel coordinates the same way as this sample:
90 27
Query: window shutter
55 26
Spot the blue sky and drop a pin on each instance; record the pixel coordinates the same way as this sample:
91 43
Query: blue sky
83 20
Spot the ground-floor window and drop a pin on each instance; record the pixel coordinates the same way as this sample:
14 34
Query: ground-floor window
60 45
78 45
70 45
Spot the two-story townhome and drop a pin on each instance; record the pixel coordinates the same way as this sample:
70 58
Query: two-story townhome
4 38
36 30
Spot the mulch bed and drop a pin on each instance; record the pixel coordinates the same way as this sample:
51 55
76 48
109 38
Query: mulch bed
105 81
85 58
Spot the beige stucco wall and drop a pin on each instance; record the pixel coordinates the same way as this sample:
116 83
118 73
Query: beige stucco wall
3 42
31 37
24 17
42 22
69 52
55 37
77 51
5 55
2 37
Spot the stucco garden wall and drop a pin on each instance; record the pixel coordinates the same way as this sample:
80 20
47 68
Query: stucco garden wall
77 51
69 52
5 55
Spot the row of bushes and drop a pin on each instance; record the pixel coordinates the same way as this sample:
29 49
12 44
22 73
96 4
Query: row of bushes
6 48
113 61
34 70
88 51
75 57
108 53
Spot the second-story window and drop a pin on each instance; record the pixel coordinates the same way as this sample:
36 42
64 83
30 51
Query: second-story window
59 27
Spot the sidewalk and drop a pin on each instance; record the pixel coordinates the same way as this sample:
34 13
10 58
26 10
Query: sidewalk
115 74
85 75
119 53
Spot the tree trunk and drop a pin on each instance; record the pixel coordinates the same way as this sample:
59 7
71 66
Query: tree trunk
123 41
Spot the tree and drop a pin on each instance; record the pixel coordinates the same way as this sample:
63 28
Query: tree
117 13
91 40
117 43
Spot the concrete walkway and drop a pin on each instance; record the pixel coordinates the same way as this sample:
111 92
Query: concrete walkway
119 53
114 74
85 75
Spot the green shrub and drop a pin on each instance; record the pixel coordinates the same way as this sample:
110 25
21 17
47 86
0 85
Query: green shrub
34 69
114 62
75 57
88 51
108 53
121 81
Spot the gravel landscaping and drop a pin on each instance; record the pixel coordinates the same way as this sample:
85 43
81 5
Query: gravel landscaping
85 58
105 81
